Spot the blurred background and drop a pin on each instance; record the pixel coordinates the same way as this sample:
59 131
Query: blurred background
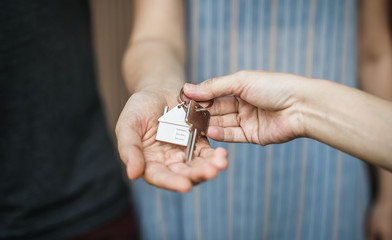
111 23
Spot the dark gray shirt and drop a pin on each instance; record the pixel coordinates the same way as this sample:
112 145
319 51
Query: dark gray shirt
58 173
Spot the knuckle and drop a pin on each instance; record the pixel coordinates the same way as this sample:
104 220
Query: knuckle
221 121
238 119
230 134
218 106
210 82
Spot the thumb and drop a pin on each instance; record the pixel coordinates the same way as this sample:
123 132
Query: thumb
215 87
130 149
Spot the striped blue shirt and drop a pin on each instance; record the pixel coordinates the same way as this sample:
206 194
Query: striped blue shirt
298 190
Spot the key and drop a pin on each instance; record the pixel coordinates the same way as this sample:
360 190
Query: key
198 119
172 126
183 124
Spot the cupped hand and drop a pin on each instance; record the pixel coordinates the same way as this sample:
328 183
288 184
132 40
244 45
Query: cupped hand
162 164
252 106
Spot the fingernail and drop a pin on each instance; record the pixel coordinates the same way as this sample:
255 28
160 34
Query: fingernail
190 87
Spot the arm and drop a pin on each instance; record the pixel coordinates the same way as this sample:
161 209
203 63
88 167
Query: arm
375 72
154 71
264 108
156 52
350 120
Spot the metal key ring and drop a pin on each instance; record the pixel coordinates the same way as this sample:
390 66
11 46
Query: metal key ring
185 104
182 102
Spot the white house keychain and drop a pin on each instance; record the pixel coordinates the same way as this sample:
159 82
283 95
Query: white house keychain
183 124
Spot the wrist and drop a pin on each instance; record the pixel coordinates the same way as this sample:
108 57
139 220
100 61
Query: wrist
152 66
168 87
315 94
304 104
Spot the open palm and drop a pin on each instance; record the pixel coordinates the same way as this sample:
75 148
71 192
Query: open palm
162 164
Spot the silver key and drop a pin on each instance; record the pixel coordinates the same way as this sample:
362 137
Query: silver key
183 124
198 119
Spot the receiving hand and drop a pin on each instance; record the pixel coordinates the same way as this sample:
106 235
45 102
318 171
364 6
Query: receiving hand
161 164
251 106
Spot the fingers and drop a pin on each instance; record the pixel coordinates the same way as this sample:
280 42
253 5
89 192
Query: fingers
205 166
219 159
228 120
180 176
224 105
215 87
160 175
227 134
130 148
198 170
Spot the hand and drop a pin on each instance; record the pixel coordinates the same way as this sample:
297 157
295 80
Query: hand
380 221
161 164
252 106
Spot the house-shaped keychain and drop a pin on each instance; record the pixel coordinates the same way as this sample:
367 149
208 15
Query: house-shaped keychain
172 127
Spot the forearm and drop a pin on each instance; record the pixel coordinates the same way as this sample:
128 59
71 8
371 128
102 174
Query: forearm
350 120
155 57
151 64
